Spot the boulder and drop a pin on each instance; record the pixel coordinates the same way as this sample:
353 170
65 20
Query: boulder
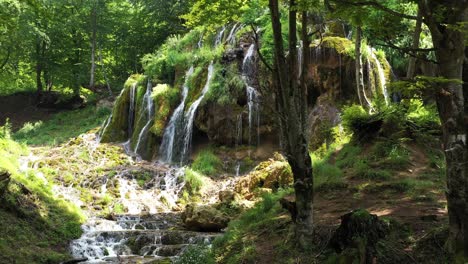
271 174
204 218
356 238
4 180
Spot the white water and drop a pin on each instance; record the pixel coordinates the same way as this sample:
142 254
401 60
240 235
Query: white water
253 97
299 59
167 144
190 115
131 110
231 39
148 101
219 37
381 74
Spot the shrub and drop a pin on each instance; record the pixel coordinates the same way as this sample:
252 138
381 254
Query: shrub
193 181
196 254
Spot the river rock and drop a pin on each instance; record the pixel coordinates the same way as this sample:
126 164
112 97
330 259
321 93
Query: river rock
204 218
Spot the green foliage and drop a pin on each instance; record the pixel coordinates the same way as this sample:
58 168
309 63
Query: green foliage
213 13
36 224
237 244
165 98
327 176
206 163
62 126
195 254
193 181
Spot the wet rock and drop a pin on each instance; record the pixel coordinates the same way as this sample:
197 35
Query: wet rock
357 236
4 180
204 218
173 238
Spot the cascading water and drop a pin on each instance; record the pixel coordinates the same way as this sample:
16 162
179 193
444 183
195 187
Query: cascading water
299 59
175 125
149 104
190 115
219 37
131 109
381 74
231 39
253 97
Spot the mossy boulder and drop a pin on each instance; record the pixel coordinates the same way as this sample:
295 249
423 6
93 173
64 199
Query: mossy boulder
355 240
271 174
204 218
117 129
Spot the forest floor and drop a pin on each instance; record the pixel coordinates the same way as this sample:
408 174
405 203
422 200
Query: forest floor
21 108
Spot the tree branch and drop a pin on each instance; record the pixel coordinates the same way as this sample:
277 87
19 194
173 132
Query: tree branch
410 51
257 47
7 58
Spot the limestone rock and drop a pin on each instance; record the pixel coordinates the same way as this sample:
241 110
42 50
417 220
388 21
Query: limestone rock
204 218
270 174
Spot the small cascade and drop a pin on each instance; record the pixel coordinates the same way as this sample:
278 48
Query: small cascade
381 74
231 39
239 130
131 109
190 115
253 97
299 59
149 105
219 37
147 220
104 126
175 124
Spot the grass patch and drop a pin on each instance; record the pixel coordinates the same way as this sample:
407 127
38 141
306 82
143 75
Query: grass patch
327 177
62 126
206 162
193 181
265 219
36 225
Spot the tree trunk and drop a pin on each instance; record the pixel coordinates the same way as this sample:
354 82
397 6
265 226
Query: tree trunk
93 48
415 45
359 70
290 106
450 52
39 86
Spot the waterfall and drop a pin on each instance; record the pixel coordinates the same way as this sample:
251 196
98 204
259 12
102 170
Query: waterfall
104 126
167 145
381 75
299 59
219 37
231 39
248 72
148 102
239 130
131 110
190 115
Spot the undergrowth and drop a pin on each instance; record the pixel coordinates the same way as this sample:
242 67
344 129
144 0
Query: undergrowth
61 127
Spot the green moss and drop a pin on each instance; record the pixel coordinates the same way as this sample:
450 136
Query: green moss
206 162
193 181
165 98
36 225
341 45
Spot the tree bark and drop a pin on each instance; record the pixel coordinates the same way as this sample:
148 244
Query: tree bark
290 104
415 45
448 41
39 86
93 48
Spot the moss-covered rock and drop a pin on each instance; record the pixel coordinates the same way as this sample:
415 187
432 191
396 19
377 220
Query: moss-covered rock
204 218
271 174
356 238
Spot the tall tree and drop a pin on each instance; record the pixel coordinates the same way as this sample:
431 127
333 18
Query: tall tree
292 111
